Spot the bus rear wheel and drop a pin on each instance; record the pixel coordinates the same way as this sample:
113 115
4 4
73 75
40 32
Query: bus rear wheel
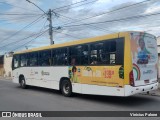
66 88
23 83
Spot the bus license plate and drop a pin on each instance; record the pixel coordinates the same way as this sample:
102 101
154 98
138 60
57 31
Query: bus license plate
146 81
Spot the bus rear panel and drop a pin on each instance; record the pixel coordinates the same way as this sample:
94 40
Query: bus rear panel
144 56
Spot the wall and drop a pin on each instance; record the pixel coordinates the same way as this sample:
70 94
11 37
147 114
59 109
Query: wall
8 65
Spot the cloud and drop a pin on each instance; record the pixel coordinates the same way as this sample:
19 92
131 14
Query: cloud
11 24
152 9
123 13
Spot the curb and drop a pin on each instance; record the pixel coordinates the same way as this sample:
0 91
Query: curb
5 78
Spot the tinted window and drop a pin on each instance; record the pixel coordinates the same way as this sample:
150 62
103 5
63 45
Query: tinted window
60 56
120 51
97 51
78 55
103 52
74 55
85 55
15 61
112 51
23 60
45 58
33 59
112 45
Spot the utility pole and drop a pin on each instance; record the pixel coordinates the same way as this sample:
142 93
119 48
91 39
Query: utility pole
49 15
50 26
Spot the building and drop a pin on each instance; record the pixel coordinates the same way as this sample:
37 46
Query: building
158 48
8 64
2 65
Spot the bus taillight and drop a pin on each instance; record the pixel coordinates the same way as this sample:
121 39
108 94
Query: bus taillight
131 78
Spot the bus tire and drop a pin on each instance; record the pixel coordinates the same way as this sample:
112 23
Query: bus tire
23 83
66 88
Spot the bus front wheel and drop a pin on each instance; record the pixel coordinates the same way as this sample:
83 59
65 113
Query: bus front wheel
66 88
23 83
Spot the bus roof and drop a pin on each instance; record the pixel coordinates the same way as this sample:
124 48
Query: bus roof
75 42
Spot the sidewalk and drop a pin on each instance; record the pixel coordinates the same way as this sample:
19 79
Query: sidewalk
5 78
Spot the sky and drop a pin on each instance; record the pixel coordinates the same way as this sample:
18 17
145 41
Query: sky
24 26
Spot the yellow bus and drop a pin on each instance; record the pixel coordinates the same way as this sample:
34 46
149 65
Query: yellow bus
119 64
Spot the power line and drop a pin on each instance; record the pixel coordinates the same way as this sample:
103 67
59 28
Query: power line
94 1
24 38
68 35
19 18
44 25
36 6
29 41
5 18
107 12
49 18
15 42
115 20
157 26
49 14
17 6
147 25
35 21
54 31
4 22
102 29
70 5
18 14
57 10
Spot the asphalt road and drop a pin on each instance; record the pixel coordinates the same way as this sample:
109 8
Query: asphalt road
13 98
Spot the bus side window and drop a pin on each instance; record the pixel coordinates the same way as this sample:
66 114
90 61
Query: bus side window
15 61
85 55
33 59
23 60
45 58
60 56
97 56
53 57
120 51
73 61
112 51
93 60
93 56
112 58
103 53
75 55
78 55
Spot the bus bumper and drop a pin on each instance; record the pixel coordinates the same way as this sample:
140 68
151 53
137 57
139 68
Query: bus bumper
130 90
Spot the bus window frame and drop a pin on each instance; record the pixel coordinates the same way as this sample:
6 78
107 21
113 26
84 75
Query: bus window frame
68 54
